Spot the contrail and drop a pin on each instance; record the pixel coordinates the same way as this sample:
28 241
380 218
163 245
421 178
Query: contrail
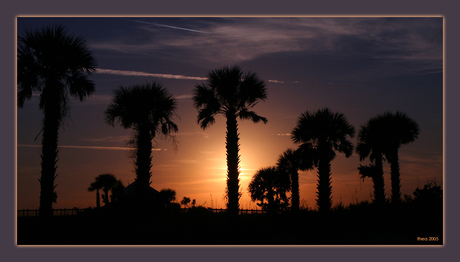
168 26
91 147
136 73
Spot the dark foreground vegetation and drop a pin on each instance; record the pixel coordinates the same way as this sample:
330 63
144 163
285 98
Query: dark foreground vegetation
408 223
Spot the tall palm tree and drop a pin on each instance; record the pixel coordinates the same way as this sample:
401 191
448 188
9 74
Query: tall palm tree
96 186
149 110
233 94
371 144
399 129
269 186
324 132
56 65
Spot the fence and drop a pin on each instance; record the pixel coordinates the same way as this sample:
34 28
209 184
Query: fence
75 211
56 212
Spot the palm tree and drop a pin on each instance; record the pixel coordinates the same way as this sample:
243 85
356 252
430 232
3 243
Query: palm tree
105 182
399 129
108 182
270 185
289 163
96 186
233 94
324 132
375 172
56 65
117 190
148 109
371 144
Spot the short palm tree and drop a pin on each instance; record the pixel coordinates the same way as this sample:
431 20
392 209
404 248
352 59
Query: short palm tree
374 172
96 186
149 110
117 190
324 132
289 163
399 129
233 94
57 65
269 186
371 144
107 182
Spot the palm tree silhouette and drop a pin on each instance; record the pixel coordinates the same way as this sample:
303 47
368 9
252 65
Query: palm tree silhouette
375 172
57 65
108 182
289 163
148 109
117 190
96 186
370 144
105 182
324 132
269 185
232 93
399 129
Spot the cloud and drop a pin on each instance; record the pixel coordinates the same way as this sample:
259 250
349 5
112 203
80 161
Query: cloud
186 96
168 26
137 73
108 139
284 134
92 147
234 40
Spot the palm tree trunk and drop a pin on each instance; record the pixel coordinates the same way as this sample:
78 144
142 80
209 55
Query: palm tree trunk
51 123
379 183
233 160
395 177
271 200
106 196
98 199
143 159
324 199
295 191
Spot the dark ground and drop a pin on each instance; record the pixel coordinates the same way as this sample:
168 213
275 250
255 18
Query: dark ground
364 224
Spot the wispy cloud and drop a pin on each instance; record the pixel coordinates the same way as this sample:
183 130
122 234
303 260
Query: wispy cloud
234 40
169 76
284 134
110 139
186 96
168 26
137 73
92 147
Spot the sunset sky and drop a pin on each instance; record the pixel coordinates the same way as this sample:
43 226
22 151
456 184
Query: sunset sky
360 67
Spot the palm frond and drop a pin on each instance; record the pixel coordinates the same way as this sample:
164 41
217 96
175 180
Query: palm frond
251 115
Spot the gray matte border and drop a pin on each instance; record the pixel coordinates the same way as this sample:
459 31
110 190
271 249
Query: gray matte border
235 7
